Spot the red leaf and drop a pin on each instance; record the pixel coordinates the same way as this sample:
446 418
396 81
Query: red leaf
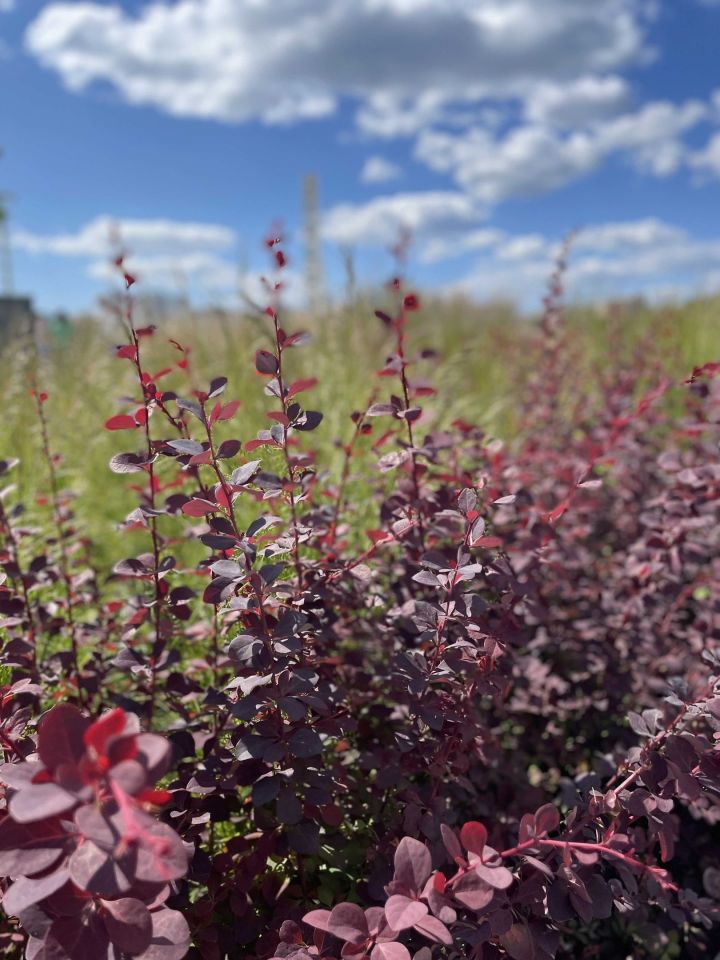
199 507
229 410
474 837
121 422
300 385
559 510
110 725
126 352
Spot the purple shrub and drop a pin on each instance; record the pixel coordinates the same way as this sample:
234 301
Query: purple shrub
490 730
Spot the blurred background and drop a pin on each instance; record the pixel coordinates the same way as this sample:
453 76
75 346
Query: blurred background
483 131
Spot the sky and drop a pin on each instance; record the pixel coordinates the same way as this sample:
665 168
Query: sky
488 129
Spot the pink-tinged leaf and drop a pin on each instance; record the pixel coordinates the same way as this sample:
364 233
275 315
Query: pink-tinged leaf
128 924
527 827
254 444
435 930
413 864
170 936
498 877
547 819
390 951
559 510
539 865
452 844
473 892
199 507
229 410
39 801
474 837
121 422
402 912
222 498
519 942
299 386
347 921
26 892
126 352
61 736
488 542
200 458
215 413
318 919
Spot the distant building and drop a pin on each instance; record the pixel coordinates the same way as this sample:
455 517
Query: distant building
16 317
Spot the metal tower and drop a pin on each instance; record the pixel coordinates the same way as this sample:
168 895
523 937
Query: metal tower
313 253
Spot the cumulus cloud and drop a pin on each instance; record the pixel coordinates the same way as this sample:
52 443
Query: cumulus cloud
166 253
532 158
286 60
606 261
707 160
378 221
436 249
567 105
99 236
379 170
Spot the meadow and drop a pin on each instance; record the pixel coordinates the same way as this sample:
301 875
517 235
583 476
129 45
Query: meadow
484 356
389 633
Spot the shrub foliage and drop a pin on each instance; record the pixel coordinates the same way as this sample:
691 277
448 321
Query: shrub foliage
487 727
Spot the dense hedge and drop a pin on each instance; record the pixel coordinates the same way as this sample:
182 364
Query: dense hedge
486 728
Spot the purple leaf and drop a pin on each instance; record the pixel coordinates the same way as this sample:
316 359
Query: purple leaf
390 951
473 892
60 736
402 912
128 924
435 930
25 892
412 864
347 921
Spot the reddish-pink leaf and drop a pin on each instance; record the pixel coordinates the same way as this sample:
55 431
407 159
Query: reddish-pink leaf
474 837
229 410
121 422
402 912
301 385
199 507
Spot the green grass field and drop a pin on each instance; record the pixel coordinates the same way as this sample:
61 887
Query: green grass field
482 357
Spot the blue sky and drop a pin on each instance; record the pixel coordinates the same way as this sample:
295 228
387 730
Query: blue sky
488 127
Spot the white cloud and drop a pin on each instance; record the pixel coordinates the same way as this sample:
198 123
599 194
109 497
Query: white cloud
525 248
6 5
285 60
378 221
99 237
165 254
646 257
708 159
568 105
532 159
526 161
446 248
614 237
379 170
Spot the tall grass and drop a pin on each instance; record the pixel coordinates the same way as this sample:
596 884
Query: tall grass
480 361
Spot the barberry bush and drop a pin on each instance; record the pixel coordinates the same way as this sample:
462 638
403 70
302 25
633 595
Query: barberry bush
485 724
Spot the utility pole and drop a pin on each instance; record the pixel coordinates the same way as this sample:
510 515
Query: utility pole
313 252
6 270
